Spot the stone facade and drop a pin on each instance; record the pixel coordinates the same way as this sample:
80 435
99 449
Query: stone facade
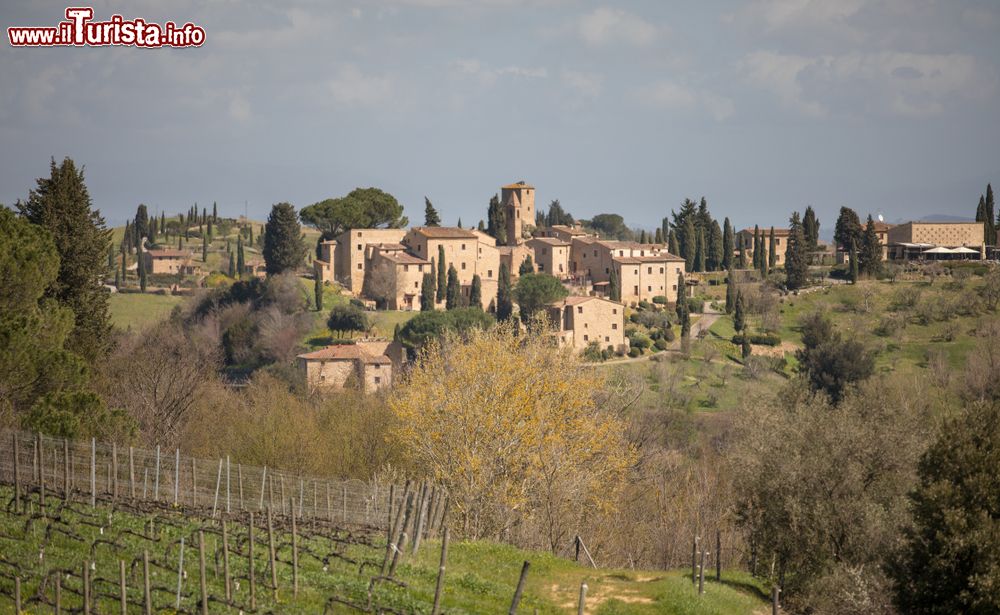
946 234
396 277
551 255
581 320
365 365
521 198
470 252
353 252
744 239
645 277
167 261
323 267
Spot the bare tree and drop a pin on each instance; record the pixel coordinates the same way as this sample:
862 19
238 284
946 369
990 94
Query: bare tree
380 285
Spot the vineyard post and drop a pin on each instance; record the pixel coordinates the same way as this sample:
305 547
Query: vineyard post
58 593
302 493
253 581
440 579
718 555
228 509
114 469
93 471
270 491
180 575
147 595
86 588
17 474
194 483
201 572
583 599
121 587
315 490
775 592
329 504
156 477
239 475
694 561
17 594
295 556
270 550
66 487
401 543
390 544
107 483
145 482
131 472
263 482
177 474
218 482
344 501
520 588
419 518
41 476
225 561
282 479
35 454
701 573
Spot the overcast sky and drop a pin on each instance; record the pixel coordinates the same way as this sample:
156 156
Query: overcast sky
762 106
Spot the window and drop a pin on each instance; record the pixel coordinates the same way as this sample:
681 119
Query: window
359 246
661 269
586 338
463 266
416 285
649 270
675 287
579 309
614 325
463 246
585 326
614 310
649 289
541 266
378 379
359 233
607 339
595 252
560 268
406 267
621 252
489 273
606 270
359 266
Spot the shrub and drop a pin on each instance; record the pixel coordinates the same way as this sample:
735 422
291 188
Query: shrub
762 339
668 334
640 341
634 352
904 299
660 344
593 353
645 305
889 326
660 300
651 320
695 305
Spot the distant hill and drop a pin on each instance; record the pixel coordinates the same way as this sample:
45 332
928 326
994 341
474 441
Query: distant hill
936 218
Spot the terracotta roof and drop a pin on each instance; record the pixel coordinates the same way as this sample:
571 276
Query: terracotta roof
580 299
658 258
628 245
168 253
552 241
569 229
405 259
518 185
444 232
345 352
390 246
627 260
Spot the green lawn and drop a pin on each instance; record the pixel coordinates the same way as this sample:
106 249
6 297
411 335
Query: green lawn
137 310
480 576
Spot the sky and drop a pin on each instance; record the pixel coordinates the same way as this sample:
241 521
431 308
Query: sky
761 106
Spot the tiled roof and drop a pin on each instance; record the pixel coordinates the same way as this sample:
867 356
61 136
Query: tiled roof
168 253
390 246
552 241
568 229
444 232
405 259
518 185
343 352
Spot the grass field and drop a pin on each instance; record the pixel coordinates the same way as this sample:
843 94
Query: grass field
136 310
333 562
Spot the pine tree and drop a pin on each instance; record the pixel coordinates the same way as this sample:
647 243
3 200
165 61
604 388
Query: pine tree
428 291
683 315
699 254
232 266
505 302
453 296
796 258
318 292
476 292
730 291
739 313
283 247
614 286
431 217
442 281
727 245
61 205
527 266
772 257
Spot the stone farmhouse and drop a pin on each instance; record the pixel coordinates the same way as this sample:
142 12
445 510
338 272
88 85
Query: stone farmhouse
644 270
580 321
176 262
365 365
744 239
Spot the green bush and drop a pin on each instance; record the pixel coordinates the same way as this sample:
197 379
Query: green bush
660 300
634 352
660 344
762 339
640 341
645 305
694 305
593 353
668 334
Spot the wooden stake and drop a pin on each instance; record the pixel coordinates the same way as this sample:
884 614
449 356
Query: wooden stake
156 478
225 561
147 595
66 485
131 472
17 474
228 509
239 474
194 483
86 588
440 580
218 483
17 595
295 556
41 475
253 581
583 599
93 471
701 574
202 573
520 589
718 555
263 483
114 470
270 549
122 596
180 575
177 475
58 608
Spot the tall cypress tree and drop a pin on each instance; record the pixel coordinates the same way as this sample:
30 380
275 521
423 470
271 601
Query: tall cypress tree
427 291
453 296
642 236
527 266
716 251
496 221
772 257
742 263
61 204
204 249
163 223
763 259
756 247
854 272
730 291
142 275
672 246
124 270
689 243
505 301
658 237
232 266
215 211
476 292
810 226
141 225
796 260
240 259
699 254
870 256
727 245
683 315
283 247
740 313
442 281
665 229
614 286
318 292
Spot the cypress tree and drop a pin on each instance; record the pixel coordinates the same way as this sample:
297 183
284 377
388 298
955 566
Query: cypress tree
642 236
739 313
442 281
453 298
481 227
699 254
204 249
991 230
210 228
665 230
459 223
614 286
496 221
810 226
772 258
250 235
730 291
232 266
204 215
118 280
716 250
124 270
215 211
756 247
240 262
796 260
180 242
673 248
871 251
746 349
658 237
283 248
854 262
762 264
317 292
689 243
163 222
427 291
61 205
505 302
431 217
111 256
527 266
141 225
142 276
727 245
683 315
476 292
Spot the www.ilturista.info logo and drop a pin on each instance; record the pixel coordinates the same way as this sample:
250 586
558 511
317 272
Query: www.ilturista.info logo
80 30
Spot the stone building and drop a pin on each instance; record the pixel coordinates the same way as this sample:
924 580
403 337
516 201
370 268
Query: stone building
578 321
937 241
470 252
644 278
167 261
518 200
394 277
744 239
551 255
352 253
323 267
364 365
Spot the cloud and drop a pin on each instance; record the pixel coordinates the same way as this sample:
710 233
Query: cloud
353 87
239 109
606 25
896 83
674 96
586 84
488 76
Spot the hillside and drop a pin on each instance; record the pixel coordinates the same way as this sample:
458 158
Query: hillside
336 566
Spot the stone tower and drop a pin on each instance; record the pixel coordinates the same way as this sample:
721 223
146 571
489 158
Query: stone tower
519 206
